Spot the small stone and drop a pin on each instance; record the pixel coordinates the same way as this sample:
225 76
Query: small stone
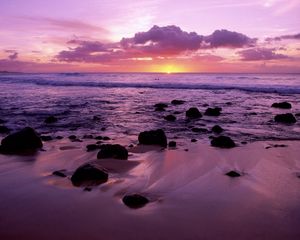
283 105
193 113
223 142
202 130
153 137
233 174
170 118
217 129
194 140
161 105
51 119
113 151
135 201
285 118
213 111
59 173
177 102
89 175
88 136
172 144
105 138
72 137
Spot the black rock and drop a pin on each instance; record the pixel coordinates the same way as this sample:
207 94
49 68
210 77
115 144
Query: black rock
24 141
2 121
244 142
103 128
172 144
285 118
177 102
96 118
283 105
51 119
159 109
217 129
59 137
153 137
72 137
135 201
89 175
223 142
170 118
92 147
213 111
59 173
193 140
113 151
193 113
233 174
4 129
202 130
105 138
99 138
297 114
46 138
88 136
161 105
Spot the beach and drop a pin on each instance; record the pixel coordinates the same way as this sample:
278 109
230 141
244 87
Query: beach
190 195
189 190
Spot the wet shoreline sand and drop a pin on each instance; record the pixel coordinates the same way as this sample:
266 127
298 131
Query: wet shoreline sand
190 195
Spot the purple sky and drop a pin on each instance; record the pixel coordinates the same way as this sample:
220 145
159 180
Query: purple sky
150 35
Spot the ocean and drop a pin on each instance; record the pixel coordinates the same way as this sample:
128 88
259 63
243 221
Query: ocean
123 104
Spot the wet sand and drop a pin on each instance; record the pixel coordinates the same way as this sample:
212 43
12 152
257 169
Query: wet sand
191 197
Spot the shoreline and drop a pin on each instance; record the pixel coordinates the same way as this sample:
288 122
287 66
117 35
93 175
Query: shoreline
187 189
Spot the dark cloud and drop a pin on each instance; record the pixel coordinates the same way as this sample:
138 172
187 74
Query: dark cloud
257 54
285 37
13 56
225 38
157 42
167 40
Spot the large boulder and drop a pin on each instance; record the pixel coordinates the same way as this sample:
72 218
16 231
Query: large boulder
4 129
193 113
285 118
113 151
283 105
24 141
89 175
223 142
153 137
213 111
135 201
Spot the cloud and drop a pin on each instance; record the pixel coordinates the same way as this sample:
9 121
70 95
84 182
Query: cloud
13 54
168 41
65 24
257 54
285 37
225 38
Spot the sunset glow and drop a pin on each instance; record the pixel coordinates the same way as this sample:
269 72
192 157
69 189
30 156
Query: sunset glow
199 36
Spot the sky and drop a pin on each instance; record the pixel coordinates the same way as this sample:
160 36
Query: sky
150 36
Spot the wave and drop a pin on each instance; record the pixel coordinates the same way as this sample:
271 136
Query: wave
263 88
